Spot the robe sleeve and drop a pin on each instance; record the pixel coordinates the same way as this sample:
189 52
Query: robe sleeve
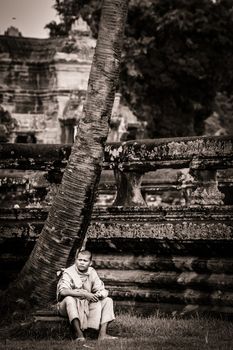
98 285
64 282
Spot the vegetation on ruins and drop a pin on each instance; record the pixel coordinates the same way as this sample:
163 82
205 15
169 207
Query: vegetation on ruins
177 59
71 210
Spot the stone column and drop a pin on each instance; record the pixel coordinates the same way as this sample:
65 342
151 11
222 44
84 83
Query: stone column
206 192
128 189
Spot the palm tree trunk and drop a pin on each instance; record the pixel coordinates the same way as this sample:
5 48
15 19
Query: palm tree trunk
70 213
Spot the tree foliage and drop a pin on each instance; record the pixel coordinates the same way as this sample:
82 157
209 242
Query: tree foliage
70 10
177 57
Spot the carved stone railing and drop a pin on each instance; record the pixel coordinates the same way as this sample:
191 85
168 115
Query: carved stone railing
204 156
172 256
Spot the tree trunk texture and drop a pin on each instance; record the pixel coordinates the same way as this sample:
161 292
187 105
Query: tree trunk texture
70 214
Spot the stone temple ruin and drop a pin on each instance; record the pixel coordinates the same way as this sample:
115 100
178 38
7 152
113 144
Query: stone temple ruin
163 236
175 257
43 83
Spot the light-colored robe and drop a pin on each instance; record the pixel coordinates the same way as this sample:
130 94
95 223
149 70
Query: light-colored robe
73 279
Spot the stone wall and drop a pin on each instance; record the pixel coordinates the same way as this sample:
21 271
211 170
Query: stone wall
43 84
38 78
176 257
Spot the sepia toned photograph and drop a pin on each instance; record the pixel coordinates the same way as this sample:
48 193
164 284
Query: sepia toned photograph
116 174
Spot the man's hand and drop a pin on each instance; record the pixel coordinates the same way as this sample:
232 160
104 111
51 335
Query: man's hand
91 297
99 295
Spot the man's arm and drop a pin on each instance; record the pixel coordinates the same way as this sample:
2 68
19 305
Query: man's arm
98 286
78 293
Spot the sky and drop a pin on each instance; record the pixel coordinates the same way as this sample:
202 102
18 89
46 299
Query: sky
29 16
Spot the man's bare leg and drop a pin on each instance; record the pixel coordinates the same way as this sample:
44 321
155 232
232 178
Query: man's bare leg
77 330
103 332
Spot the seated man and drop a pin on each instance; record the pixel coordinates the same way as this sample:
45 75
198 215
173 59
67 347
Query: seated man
82 297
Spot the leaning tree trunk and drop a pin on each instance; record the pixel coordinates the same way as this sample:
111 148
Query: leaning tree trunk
71 210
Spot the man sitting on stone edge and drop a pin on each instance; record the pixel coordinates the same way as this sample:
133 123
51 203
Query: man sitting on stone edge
83 299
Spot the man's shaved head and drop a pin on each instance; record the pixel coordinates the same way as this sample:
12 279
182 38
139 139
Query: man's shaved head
83 252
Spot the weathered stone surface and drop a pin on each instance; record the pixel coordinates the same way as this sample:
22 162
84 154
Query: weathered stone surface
143 223
148 308
152 279
189 296
207 191
163 263
38 77
154 154
212 152
143 155
33 157
129 189
166 254
181 230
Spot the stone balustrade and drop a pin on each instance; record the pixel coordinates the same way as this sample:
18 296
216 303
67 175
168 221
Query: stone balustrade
203 156
174 256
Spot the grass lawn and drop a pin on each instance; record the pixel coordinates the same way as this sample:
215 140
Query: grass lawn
135 333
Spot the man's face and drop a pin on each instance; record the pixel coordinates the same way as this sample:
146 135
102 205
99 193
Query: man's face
82 262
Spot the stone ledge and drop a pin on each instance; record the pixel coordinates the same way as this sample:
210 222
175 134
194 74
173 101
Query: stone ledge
192 213
196 223
147 309
142 155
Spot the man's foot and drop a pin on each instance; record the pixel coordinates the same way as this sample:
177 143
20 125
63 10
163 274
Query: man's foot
80 340
107 337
